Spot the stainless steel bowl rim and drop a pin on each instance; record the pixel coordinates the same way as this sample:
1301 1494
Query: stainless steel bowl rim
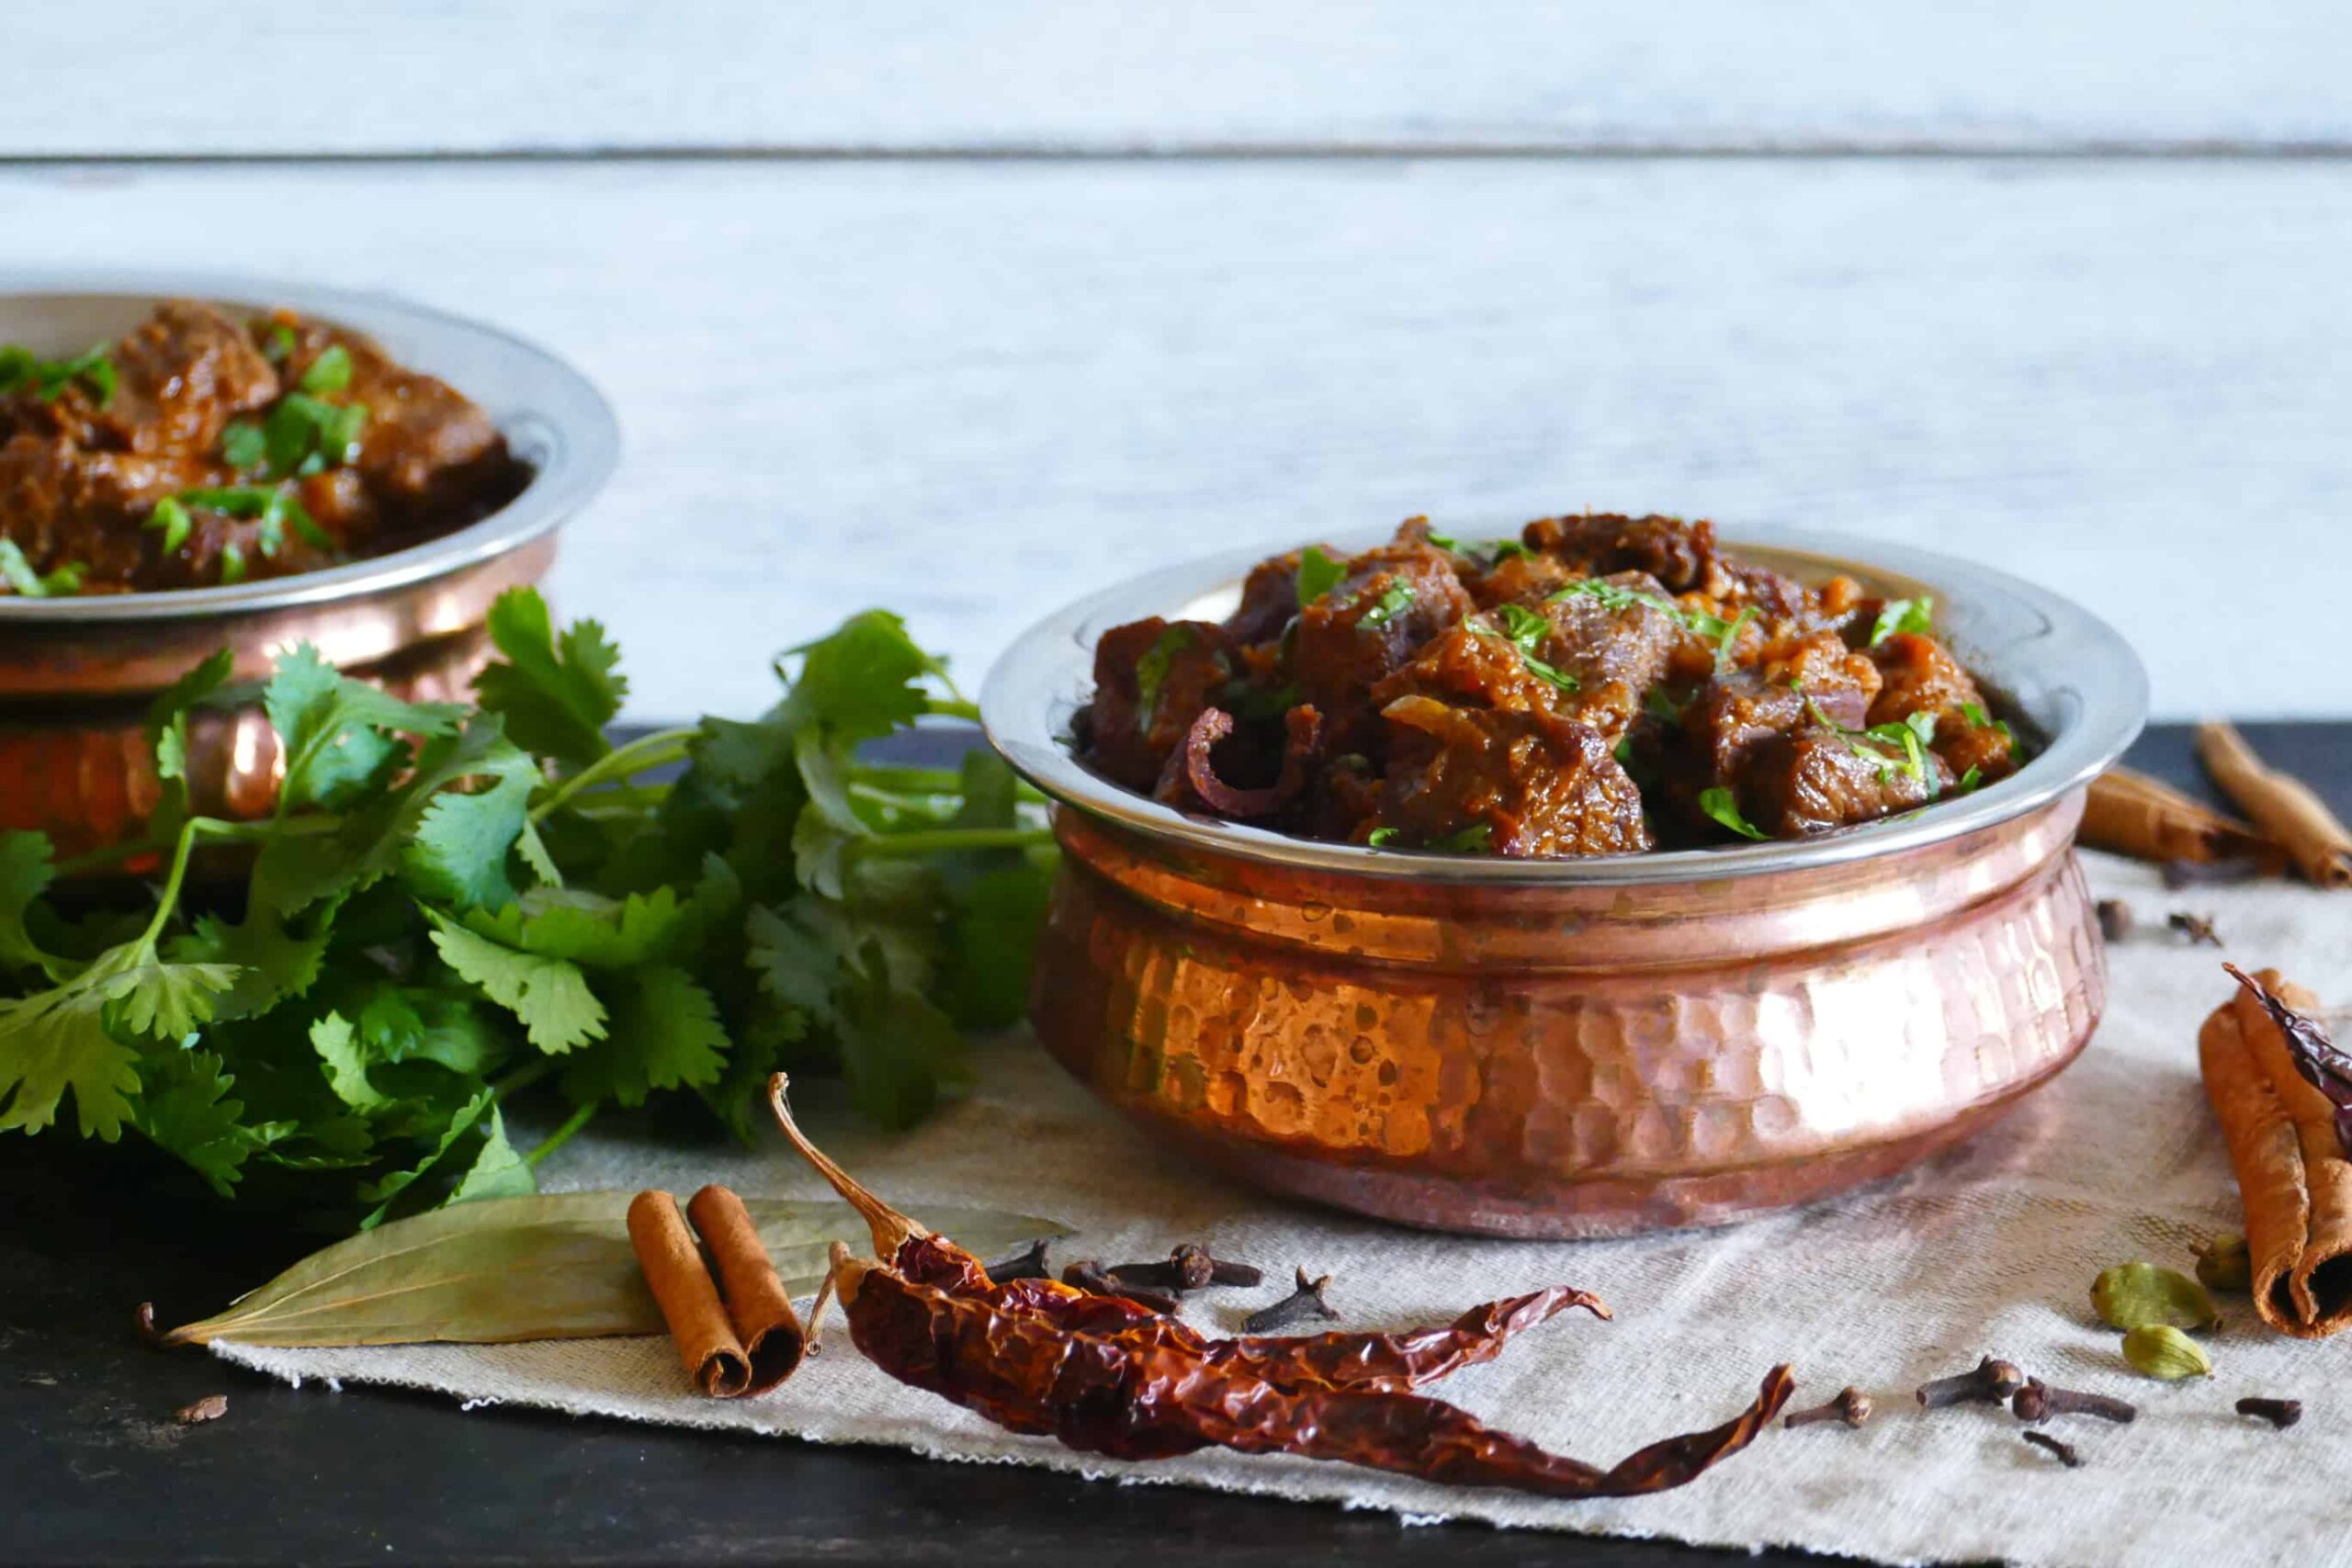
573 459
2070 672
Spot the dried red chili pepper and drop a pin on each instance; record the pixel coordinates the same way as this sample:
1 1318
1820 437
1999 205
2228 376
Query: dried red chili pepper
1337 1360
1104 1376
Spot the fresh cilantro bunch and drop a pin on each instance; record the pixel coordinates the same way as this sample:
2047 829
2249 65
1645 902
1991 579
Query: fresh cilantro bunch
452 907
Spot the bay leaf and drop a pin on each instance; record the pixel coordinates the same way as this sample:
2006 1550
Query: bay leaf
550 1265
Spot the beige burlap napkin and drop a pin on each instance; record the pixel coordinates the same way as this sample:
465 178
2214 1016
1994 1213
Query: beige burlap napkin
1993 1248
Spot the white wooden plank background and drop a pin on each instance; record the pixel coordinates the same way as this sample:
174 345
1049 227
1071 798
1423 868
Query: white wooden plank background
239 76
972 391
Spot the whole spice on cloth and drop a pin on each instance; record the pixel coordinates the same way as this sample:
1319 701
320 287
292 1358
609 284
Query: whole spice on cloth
2134 815
2283 808
2264 1061
1104 1375
736 1334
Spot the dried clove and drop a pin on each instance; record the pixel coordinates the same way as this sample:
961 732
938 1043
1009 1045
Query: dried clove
2114 918
1087 1275
1029 1263
2065 1451
211 1408
1306 1302
2037 1401
2280 1412
1990 1382
1852 1406
2180 874
2195 927
1188 1268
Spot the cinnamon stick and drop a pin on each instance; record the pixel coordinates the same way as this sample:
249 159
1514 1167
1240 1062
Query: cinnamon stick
757 1306
2134 815
707 1344
2281 806
2294 1176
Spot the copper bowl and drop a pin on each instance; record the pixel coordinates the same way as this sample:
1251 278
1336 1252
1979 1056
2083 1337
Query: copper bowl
77 675
1593 1047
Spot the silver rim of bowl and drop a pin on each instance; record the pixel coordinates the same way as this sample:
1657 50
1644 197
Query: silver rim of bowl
2069 674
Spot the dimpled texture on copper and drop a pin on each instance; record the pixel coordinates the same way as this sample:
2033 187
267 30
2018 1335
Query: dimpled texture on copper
1563 1062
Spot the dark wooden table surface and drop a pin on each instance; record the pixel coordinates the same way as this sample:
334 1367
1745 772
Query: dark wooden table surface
93 1470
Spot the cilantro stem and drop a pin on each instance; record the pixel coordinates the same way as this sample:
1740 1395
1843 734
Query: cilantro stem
656 751
562 1135
521 1078
899 779
169 898
953 838
947 708
211 827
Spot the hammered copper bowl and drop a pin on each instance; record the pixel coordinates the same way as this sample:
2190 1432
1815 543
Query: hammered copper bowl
77 674
1582 1048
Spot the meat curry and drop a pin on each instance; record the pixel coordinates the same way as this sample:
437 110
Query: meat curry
1599 685
200 450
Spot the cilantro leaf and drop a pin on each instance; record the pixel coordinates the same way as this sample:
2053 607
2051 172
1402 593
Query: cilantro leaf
185 1110
383 1193
588 927
1913 616
666 1034
338 1047
459 851
898 1050
497 1170
861 681
1717 803
1152 672
1381 837
26 870
330 372
550 996
1393 601
1472 840
556 694
338 735
57 1040
1318 573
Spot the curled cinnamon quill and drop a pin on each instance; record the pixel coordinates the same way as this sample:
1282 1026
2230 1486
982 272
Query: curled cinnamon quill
2280 1089
2134 815
757 1306
707 1344
2282 806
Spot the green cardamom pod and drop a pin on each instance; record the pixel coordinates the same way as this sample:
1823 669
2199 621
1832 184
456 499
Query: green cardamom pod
2224 1264
2159 1350
2134 1295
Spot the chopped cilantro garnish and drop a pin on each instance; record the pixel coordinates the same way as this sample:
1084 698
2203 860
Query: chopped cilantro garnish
1616 596
1472 840
171 517
330 372
1151 673
278 347
1729 645
1979 720
1524 629
1317 574
1915 616
1659 702
1381 837
1245 701
48 378
243 444
1718 804
1392 604
1970 780
17 572
232 565
1486 553
1877 744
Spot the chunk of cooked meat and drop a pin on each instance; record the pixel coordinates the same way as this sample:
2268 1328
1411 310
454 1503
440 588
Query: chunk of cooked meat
1518 782
1152 678
1814 779
1385 605
1919 675
1680 554
1603 684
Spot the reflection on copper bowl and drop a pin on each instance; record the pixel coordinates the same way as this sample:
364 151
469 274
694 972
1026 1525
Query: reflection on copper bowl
77 674
1573 1048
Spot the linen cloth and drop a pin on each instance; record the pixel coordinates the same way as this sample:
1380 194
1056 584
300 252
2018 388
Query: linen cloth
1991 1249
